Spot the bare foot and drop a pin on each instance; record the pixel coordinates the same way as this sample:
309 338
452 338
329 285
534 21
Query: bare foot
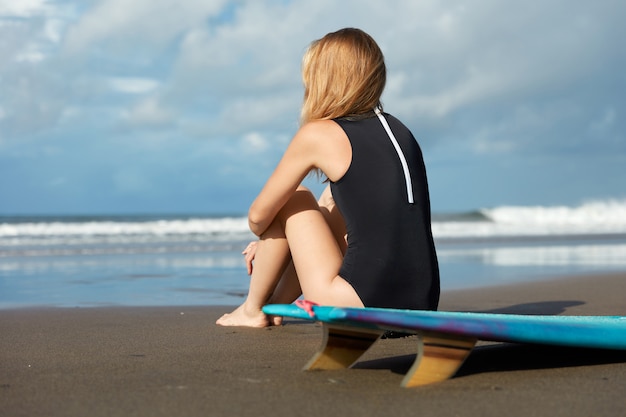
241 316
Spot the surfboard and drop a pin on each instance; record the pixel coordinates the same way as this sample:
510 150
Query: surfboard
445 338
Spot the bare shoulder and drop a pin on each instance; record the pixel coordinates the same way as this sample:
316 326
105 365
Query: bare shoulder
321 129
328 145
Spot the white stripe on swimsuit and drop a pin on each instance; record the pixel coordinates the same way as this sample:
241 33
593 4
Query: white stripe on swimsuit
405 166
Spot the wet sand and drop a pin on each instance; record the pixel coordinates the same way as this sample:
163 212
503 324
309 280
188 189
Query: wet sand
173 361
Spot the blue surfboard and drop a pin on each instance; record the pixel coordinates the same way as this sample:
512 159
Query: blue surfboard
446 338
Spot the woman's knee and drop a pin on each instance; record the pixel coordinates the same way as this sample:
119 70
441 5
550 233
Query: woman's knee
301 200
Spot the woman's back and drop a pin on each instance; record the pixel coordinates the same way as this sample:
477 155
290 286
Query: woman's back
391 260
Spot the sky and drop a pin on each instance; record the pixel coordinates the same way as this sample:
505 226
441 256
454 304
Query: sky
168 106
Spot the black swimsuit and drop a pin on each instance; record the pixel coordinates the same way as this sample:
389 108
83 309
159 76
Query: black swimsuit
390 260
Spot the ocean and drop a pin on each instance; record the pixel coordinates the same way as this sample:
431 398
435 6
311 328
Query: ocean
82 261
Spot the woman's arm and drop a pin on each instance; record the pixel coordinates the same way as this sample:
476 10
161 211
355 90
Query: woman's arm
316 145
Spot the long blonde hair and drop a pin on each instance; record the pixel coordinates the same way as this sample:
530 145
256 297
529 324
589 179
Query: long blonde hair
344 75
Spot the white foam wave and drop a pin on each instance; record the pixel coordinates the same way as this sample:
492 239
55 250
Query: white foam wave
592 218
597 213
178 227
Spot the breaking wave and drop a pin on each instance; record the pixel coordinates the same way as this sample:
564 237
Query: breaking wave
24 236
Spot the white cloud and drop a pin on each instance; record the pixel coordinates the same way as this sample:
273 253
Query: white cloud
133 85
147 113
254 142
31 55
146 22
234 66
53 30
21 8
32 29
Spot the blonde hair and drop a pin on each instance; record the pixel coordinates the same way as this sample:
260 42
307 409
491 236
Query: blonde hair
344 75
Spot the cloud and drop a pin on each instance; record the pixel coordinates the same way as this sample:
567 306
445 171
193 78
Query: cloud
133 85
32 29
200 79
254 142
494 61
151 23
23 8
232 67
148 113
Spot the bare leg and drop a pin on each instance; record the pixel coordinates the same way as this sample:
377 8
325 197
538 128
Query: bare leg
334 218
300 229
272 257
317 250
288 289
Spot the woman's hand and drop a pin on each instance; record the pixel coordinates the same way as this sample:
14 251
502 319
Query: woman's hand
249 253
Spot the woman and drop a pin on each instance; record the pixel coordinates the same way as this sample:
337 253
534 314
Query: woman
368 240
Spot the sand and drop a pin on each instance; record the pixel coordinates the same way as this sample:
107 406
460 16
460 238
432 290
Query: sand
173 361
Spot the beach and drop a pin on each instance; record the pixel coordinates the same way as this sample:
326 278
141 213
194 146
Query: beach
173 361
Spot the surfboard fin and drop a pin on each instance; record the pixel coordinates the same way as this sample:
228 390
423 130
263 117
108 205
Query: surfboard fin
342 347
439 357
